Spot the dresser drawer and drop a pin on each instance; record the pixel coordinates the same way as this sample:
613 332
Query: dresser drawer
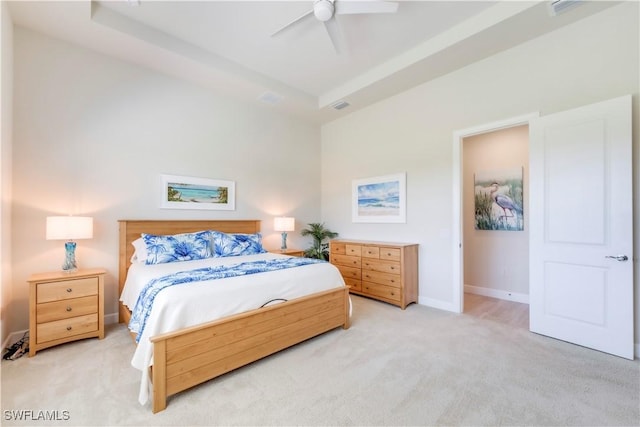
391 254
346 260
349 272
353 250
371 252
354 284
57 310
65 289
382 266
382 278
382 291
65 328
337 248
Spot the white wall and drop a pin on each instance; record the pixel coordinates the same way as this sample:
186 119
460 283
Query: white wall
496 263
6 118
93 134
592 60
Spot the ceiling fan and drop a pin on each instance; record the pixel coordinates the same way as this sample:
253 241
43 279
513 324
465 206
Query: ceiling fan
325 11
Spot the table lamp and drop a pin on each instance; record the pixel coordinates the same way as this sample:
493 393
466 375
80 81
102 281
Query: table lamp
69 228
284 224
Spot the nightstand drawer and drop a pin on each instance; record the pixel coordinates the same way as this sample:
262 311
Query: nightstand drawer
57 310
67 327
65 289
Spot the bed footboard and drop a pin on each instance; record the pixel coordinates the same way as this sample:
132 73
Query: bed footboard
194 355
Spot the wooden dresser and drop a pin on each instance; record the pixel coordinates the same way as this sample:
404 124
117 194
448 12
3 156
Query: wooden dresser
382 270
65 307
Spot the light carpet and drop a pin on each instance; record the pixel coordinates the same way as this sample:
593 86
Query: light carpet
420 366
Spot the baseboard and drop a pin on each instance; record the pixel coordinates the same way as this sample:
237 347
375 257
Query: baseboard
497 293
110 318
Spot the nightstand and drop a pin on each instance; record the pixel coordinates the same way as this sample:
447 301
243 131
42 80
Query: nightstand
65 307
288 251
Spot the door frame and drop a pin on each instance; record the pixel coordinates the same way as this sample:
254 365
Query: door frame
457 304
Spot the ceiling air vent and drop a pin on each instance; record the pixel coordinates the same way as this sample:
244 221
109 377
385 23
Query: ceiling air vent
556 7
340 105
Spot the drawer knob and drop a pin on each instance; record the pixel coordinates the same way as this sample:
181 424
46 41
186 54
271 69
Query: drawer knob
69 290
68 328
393 268
68 308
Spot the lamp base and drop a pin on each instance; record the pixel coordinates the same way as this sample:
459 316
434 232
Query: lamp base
70 265
284 241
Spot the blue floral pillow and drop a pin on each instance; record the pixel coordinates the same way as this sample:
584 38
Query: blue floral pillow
236 244
178 247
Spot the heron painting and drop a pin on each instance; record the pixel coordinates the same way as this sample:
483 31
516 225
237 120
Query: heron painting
499 200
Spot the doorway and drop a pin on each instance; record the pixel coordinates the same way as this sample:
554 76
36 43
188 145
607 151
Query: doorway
458 217
495 169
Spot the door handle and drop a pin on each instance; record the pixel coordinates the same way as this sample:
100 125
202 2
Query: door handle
618 257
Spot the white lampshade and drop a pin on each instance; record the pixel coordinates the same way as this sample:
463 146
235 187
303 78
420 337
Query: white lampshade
69 227
284 223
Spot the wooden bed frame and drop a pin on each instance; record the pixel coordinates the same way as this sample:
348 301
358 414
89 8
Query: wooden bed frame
191 356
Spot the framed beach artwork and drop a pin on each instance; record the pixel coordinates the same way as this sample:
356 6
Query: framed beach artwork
183 192
498 200
379 199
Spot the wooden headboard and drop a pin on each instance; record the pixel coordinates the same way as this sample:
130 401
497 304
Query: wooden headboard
130 230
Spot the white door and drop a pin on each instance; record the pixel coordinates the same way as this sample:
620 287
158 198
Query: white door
581 227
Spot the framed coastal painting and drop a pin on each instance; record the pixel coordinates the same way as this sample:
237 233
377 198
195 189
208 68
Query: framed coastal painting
498 200
184 192
379 199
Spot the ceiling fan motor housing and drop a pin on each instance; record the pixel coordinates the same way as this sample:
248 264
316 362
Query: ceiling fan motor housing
323 9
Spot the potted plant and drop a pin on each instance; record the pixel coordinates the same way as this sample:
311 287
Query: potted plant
319 249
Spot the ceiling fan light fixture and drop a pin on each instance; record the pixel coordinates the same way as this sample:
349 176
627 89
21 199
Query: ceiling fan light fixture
323 10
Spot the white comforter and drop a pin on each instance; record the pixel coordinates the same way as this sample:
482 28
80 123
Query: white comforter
189 304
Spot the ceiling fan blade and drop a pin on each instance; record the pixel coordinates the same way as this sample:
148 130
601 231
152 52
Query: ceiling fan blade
346 7
333 29
299 18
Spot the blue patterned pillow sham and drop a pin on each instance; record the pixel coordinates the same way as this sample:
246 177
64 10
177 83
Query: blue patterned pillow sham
177 247
225 245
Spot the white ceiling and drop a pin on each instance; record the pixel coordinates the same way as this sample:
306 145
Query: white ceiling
227 45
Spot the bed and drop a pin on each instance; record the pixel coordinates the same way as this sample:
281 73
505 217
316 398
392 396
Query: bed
191 355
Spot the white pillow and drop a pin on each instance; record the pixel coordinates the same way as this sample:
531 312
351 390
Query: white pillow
140 251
